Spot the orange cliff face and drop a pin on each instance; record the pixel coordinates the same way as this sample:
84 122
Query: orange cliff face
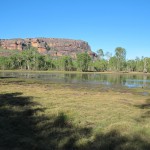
52 46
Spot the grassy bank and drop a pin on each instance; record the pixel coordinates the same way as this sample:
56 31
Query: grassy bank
41 116
77 72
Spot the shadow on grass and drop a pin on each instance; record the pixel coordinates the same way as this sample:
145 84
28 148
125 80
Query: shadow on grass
6 77
146 107
113 140
24 126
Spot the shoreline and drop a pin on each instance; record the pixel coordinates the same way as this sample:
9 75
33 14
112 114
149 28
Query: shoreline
75 72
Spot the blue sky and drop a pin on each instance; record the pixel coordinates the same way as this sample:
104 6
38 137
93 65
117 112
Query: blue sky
104 24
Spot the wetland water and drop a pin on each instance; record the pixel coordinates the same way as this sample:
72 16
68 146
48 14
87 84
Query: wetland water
109 80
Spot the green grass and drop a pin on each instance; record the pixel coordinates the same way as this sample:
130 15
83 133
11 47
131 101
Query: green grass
35 115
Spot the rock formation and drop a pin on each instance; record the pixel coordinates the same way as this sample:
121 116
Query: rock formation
52 46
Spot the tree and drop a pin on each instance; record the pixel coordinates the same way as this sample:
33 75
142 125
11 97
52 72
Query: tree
100 53
139 64
83 60
67 63
131 65
3 62
113 63
100 65
108 56
48 63
120 54
148 64
30 58
145 65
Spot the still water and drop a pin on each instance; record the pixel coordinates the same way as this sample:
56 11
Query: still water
124 80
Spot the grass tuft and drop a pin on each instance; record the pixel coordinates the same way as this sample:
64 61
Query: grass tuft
62 120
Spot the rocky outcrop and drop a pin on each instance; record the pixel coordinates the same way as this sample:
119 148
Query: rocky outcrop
52 46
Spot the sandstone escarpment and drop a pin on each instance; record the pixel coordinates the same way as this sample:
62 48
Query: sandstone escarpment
52 46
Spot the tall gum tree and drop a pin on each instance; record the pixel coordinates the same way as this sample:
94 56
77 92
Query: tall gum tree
120 54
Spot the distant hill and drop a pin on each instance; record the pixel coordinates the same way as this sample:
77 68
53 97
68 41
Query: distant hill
52 46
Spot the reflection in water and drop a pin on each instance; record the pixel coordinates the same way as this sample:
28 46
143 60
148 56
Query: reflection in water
85 77
127 80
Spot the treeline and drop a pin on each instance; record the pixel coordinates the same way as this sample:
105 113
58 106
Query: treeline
30 59
118 62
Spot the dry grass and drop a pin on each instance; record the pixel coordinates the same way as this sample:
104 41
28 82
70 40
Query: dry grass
96 109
